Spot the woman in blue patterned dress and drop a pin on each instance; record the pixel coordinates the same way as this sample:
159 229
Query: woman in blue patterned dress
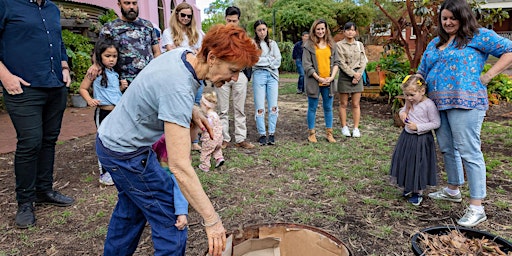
452 66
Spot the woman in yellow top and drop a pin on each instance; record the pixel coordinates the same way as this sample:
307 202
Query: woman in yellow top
320 61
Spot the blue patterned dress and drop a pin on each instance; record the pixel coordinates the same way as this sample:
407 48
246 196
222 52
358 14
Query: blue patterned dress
459 86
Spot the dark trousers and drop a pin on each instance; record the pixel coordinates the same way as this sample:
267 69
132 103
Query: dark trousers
300 70
37 117
145 194
99 115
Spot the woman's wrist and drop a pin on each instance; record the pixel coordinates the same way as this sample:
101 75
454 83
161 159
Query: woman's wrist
211 222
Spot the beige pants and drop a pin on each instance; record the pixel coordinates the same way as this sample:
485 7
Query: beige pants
238 90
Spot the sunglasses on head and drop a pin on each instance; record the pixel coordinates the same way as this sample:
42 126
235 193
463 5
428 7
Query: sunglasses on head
183 15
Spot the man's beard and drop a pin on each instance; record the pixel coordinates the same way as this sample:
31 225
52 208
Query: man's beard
130 15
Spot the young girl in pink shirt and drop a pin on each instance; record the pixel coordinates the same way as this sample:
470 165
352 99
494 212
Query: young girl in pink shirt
414 161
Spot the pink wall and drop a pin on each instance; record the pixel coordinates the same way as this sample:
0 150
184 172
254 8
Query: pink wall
148 9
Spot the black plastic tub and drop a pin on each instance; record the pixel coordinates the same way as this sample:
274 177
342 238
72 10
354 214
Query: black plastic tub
504 245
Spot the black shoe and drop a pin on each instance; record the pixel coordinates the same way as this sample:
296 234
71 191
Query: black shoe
271 140
54 198
25 217
263 140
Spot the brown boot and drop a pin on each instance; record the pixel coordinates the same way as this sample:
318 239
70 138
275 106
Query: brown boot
312 136
328 135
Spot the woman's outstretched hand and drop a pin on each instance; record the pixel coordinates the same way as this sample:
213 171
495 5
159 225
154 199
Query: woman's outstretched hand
200 120
216 239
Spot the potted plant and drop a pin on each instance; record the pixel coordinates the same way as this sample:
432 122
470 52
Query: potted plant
78 49
397 68
77 100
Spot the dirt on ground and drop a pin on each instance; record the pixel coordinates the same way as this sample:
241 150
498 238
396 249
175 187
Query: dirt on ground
81 229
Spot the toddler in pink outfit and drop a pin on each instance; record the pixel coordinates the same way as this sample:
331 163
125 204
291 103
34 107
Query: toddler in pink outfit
210 146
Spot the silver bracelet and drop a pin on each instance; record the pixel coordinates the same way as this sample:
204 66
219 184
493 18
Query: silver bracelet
210 224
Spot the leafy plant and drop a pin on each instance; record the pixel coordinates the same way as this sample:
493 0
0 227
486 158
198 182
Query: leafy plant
79 15
394 61
396 66
287 64
499 88
372 66
74 87
109 15
78 49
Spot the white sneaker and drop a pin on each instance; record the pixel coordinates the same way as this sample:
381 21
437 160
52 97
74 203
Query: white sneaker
472 218
345 131
106 179
356 133
443 195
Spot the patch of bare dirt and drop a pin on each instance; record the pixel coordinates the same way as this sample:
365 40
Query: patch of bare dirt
81 229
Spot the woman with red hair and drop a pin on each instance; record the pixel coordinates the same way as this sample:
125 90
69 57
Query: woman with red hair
161 100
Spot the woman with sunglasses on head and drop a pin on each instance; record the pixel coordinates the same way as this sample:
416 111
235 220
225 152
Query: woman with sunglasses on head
182 30
183 33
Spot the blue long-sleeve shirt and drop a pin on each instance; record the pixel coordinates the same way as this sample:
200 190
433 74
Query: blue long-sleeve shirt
180 202
297 51
31 45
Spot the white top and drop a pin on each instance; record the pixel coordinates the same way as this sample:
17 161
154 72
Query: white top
167 38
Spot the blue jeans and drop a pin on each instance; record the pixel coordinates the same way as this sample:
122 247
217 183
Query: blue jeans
326 103
459 141
145 193
37 117
265 86
300 70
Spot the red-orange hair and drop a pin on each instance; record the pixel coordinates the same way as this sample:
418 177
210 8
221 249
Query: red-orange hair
229 43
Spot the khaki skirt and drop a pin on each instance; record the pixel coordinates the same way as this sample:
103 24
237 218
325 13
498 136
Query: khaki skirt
345 84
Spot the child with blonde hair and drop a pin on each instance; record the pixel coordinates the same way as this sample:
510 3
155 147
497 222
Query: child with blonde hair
211 147
414 161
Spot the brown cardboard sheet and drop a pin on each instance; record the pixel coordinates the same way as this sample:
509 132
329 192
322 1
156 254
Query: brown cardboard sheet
297 241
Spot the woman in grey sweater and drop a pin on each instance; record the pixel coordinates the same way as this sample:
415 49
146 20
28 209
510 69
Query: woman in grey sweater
265 83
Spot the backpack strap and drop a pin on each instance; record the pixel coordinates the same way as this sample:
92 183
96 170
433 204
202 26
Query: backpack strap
361 50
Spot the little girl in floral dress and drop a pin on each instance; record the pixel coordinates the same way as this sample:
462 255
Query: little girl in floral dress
210 146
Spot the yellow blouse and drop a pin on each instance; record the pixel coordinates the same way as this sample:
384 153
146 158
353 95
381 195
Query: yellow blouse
323 58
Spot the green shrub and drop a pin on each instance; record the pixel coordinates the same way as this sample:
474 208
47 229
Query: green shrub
372 66
109 15
79 50
397 67
500 85
74 87
287 64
